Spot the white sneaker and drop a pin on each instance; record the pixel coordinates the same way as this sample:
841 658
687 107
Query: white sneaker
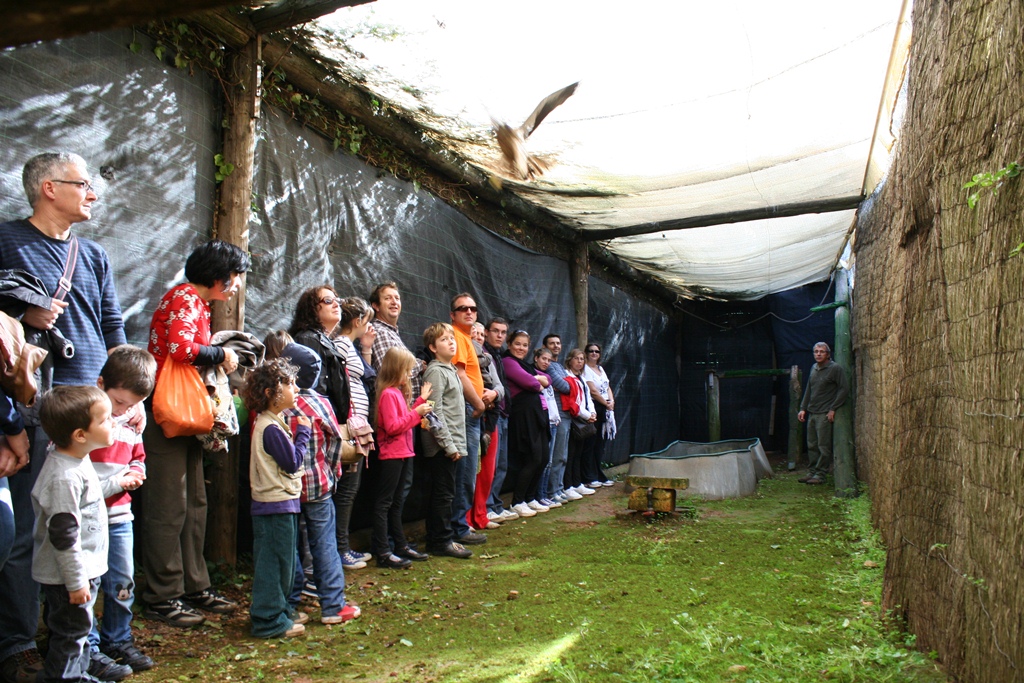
595 485
495 517
560 497
548 503
570 494
534 505
509 515
523 510
584 491
607 482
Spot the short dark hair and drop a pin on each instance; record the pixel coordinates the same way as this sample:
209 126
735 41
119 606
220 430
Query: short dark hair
67 408
131 368
215 260
551 336
496 320
306 317
270 375
375 294
515 335
458 296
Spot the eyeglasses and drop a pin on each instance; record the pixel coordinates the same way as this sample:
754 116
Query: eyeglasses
328 300
593 350
464 309
83 184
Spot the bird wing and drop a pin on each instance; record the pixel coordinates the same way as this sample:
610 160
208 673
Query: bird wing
546 106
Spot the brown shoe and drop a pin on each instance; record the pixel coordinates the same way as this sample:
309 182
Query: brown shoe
814 481
22 667
804 479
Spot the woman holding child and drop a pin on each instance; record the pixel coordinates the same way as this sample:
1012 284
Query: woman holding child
527 424
177 580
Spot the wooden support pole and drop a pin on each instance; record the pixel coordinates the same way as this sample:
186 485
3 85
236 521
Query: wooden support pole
845 471
796 427
714 407
235 195
579 273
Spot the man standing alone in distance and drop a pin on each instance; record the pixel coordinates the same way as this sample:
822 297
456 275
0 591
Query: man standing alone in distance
826 392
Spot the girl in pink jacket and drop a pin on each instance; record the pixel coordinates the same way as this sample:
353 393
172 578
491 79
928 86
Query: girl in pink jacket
395 422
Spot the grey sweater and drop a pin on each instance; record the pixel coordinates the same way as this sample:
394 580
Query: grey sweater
449 433
71 538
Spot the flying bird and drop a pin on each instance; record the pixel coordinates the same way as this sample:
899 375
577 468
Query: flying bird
513 140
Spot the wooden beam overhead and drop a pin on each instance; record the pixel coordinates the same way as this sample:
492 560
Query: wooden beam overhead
294 12
780 211
27 22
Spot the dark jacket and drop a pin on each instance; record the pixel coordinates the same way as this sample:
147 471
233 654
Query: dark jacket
333 374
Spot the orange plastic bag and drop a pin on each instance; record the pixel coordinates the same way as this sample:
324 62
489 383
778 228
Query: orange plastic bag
181 402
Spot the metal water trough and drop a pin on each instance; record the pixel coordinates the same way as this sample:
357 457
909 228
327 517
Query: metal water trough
715 470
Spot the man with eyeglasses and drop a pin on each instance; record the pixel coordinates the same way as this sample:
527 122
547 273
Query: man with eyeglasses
86 311
463 315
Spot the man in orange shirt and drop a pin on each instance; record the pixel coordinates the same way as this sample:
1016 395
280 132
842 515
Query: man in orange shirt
463 313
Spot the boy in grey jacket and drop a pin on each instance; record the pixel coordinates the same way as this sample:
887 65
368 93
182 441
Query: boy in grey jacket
70 538
444 443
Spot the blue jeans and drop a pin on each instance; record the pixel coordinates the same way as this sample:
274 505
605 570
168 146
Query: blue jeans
465 476
68 657
500 467
542 490
328 574
118 586
19 607
6 521
273 576
559 455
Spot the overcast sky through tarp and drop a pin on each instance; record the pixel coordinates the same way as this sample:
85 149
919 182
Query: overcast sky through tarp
683 110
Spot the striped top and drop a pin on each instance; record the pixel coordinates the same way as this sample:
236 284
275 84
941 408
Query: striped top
360 401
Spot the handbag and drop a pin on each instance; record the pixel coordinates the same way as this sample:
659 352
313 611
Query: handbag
350 455
181 402
582 430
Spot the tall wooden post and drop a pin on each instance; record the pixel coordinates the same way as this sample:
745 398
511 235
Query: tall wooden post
714 407
845 471
796 427
579 273
235 197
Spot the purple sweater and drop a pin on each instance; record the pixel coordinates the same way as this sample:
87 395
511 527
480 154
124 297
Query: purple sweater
519 380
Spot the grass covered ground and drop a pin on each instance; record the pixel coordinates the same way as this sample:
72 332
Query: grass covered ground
782 586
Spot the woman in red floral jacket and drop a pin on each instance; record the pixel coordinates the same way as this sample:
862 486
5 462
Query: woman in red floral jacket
177 581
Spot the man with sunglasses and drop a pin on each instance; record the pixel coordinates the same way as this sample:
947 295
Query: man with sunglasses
463 315
86 311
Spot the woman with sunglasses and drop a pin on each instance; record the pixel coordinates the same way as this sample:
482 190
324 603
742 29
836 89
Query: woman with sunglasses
317 315
527 424
604 401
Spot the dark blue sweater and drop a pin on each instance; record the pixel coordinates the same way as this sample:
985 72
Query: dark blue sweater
92 320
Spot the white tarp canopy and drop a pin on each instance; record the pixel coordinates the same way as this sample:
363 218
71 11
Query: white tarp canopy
684 111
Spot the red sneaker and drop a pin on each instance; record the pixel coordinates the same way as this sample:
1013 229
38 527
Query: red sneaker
348 613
